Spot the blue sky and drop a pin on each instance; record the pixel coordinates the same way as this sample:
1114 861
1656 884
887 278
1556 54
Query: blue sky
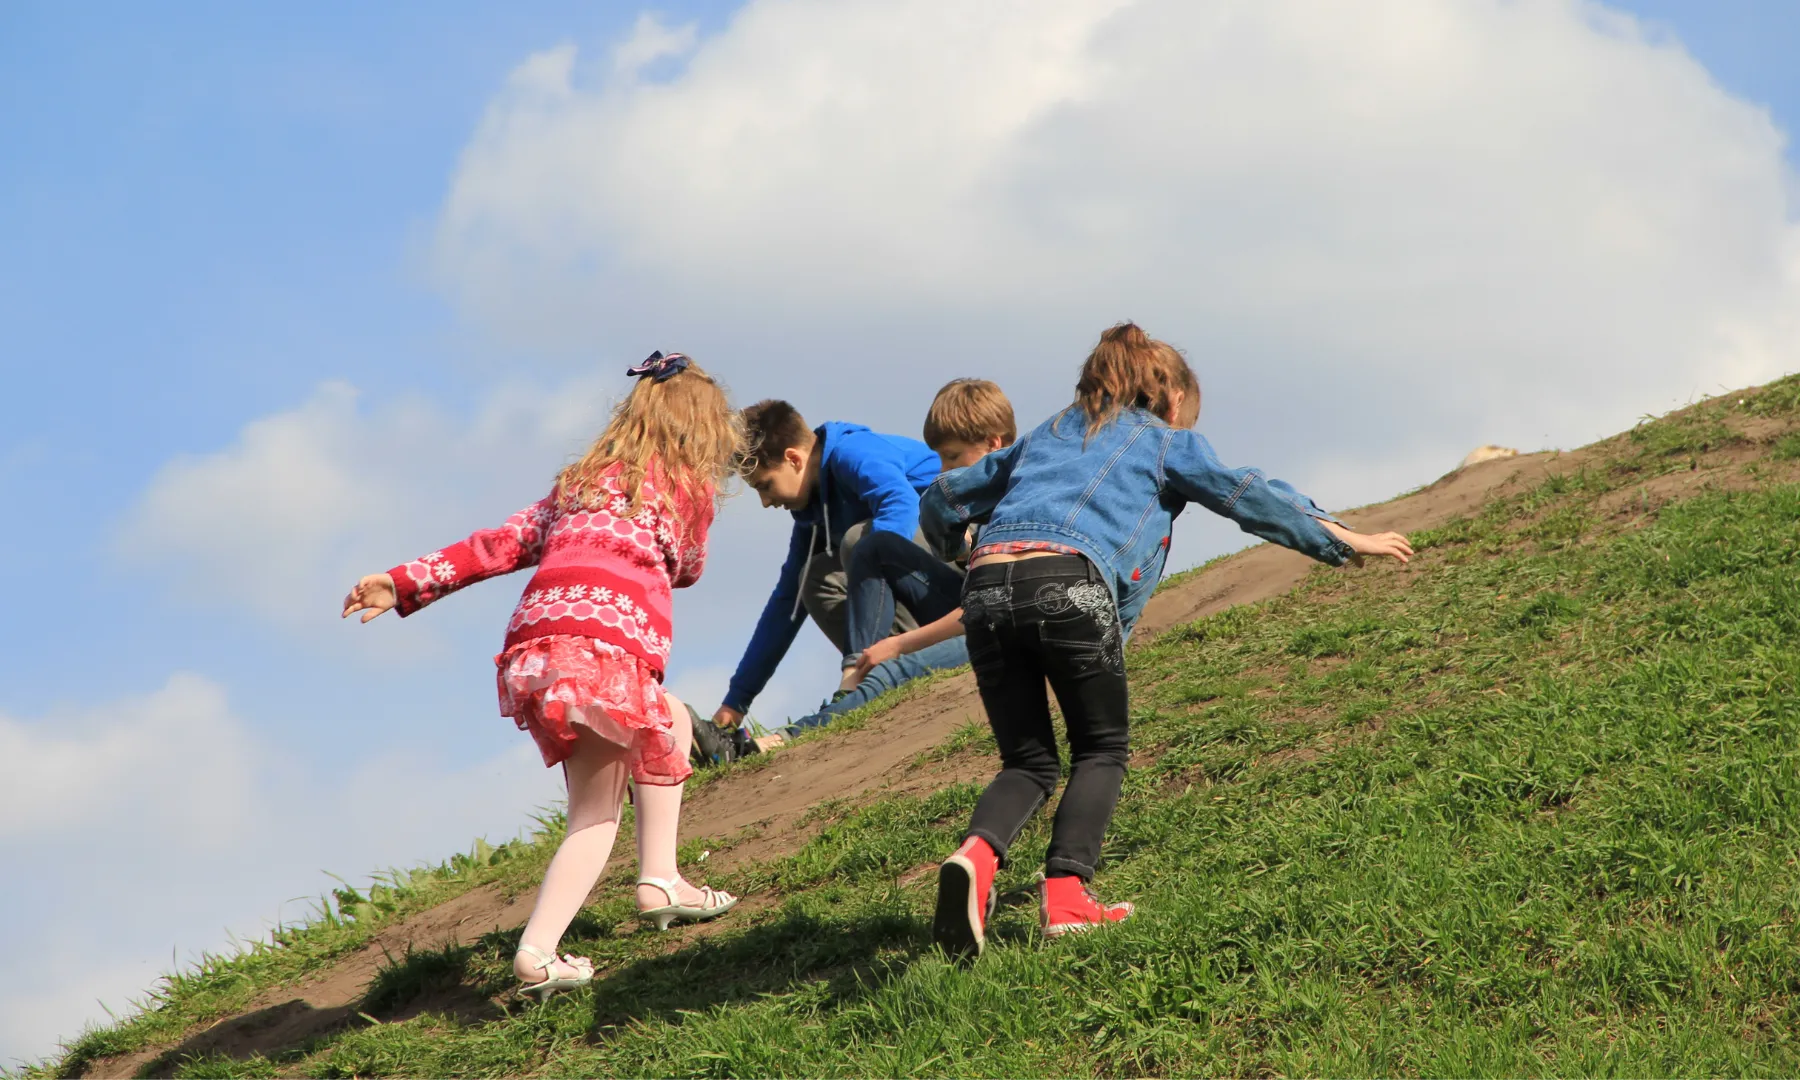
220 216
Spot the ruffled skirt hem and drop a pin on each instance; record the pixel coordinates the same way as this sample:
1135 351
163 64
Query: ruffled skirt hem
548 685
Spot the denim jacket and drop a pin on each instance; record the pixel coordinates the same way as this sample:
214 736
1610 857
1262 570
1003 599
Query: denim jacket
1113 496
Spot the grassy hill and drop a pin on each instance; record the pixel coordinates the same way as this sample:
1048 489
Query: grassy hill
1529 805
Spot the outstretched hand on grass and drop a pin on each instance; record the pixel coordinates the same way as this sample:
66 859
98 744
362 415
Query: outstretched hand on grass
372 595
1390 545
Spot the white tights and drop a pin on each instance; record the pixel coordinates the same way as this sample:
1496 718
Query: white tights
596 774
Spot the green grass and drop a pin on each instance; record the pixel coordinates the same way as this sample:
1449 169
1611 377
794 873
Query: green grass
1530 806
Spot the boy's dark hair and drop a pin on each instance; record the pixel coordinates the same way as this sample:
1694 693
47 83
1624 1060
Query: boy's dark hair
771 428
970 411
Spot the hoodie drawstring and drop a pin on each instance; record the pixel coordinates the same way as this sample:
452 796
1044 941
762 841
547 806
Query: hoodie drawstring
813 542
806 567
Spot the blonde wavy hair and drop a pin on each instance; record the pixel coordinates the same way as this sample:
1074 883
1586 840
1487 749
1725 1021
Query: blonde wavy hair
684 423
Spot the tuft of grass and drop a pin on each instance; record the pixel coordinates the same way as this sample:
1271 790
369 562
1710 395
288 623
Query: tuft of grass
1779 398
1678 440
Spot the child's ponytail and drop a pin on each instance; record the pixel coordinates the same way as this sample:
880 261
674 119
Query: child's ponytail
1131 369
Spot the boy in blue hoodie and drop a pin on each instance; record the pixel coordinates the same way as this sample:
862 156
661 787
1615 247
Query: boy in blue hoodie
841 482
969 419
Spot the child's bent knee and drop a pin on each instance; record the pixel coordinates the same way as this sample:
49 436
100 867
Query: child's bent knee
1042 771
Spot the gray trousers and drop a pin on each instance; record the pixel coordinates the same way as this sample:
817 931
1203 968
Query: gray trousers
825 592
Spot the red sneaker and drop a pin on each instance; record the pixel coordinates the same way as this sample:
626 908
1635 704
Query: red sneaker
965 898
1070 906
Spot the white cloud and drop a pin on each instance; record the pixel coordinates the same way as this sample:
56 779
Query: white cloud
307 500
158 824
1385 231
649 42
95 766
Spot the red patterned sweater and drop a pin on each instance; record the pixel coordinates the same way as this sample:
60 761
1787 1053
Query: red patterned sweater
600 574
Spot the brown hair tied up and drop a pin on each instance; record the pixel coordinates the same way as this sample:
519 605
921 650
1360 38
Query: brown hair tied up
1131 369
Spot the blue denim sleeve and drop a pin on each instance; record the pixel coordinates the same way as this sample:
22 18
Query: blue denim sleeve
868 466
1266 508
961 496
776 628
1303 502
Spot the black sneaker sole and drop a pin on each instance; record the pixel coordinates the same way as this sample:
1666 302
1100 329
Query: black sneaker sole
957 925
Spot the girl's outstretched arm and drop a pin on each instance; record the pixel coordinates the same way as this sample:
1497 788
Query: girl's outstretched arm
410 586
1261 507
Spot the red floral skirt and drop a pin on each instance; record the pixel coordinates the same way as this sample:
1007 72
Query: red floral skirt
549 684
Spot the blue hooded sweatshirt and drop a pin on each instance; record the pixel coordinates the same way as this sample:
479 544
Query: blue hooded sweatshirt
863 476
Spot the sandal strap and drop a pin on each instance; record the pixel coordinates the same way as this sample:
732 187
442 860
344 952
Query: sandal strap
544 959
710 897
667 887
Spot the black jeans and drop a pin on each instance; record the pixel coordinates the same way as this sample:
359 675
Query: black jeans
1049 618
887 566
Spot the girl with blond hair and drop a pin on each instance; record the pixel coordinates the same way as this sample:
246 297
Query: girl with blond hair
583 660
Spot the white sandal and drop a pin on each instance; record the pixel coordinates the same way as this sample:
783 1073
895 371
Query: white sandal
713 903
543 988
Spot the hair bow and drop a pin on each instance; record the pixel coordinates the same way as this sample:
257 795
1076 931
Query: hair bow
660 367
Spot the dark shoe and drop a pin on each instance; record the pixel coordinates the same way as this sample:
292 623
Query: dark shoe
1070 907
713 745
965 899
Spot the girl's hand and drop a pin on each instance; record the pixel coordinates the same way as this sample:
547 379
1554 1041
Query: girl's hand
374 593
879 653
1391 545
